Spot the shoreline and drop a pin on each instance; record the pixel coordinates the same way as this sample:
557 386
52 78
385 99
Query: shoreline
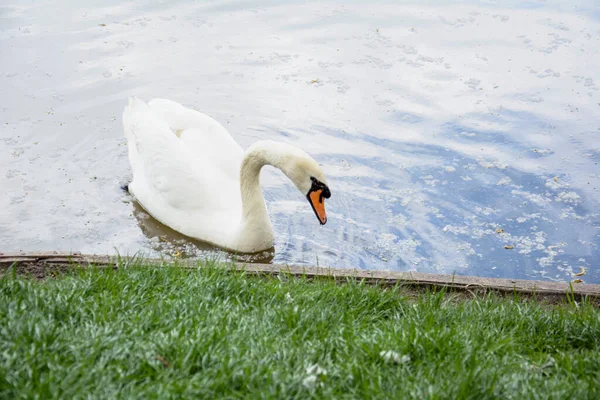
38 263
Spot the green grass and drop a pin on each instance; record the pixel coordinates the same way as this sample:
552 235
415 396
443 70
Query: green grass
171 332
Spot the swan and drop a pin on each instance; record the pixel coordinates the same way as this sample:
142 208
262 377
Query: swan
191 175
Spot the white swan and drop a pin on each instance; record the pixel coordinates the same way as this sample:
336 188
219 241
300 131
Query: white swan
192 176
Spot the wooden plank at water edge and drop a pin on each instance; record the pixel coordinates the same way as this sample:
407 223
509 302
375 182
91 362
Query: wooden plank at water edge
379 277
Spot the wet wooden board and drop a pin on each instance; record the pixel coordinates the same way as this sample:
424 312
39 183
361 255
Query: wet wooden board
375 277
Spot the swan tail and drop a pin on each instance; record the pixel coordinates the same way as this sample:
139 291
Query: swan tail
134 110
134 106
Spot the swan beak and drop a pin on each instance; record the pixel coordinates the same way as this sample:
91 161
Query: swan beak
315 198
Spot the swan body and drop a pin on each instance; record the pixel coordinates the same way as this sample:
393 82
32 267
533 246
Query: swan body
192 176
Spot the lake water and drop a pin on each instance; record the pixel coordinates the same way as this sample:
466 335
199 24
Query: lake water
447 130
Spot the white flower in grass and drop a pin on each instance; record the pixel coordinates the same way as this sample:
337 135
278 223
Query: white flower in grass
315 377
288 297
391 356
316 369
310 382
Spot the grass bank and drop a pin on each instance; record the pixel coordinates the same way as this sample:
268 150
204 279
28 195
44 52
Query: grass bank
172 332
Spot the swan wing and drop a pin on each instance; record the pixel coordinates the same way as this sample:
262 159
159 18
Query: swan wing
203 135
175 185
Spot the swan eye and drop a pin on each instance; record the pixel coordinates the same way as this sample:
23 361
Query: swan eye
318 185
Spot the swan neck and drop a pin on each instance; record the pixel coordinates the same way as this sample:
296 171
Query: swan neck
254 211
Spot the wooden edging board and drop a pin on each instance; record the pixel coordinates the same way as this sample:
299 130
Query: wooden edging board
380 277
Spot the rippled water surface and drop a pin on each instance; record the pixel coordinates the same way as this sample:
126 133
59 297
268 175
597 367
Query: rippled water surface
447 130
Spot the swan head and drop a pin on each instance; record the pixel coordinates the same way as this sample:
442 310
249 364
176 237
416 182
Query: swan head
308 177
300 168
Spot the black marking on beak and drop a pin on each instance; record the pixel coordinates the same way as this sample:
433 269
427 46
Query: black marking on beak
316 185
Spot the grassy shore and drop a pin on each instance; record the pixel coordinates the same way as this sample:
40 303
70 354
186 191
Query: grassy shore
171 332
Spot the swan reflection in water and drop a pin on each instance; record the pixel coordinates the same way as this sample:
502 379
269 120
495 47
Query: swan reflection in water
167 241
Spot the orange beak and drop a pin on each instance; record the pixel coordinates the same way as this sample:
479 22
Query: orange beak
315 198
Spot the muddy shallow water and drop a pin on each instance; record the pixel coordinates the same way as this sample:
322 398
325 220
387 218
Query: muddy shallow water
447 131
